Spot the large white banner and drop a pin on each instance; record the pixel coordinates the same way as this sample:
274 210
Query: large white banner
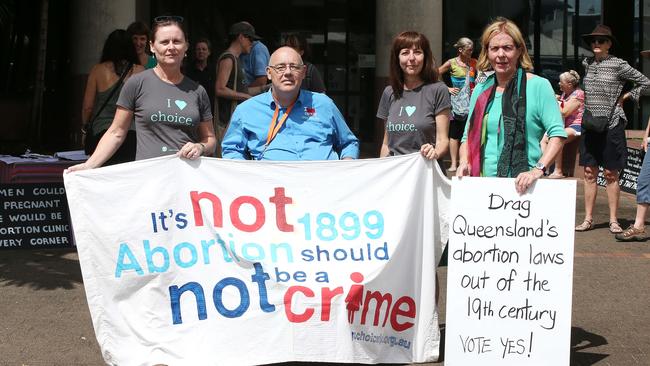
509 281
218 262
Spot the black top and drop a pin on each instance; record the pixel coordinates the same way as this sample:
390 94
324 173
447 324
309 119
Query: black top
206 77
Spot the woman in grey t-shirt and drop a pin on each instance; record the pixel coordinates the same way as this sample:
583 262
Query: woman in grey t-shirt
415 106
172 113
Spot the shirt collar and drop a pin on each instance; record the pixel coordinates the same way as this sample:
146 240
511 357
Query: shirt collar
268 96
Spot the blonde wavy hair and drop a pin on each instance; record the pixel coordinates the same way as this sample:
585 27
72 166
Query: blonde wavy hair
507 26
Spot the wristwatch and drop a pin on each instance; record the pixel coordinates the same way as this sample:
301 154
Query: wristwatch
541 167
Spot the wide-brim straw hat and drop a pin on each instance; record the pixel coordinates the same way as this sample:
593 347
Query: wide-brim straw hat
601 30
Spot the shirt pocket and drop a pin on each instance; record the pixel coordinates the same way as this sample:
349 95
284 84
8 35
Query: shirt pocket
316 130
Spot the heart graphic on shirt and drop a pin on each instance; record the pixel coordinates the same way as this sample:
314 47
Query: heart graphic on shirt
410 109
182 104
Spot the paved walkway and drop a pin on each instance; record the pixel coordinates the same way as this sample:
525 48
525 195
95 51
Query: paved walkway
44 319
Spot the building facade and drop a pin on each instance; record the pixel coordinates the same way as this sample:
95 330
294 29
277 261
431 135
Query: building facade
49 47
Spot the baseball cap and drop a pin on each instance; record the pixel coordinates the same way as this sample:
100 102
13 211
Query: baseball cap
244 28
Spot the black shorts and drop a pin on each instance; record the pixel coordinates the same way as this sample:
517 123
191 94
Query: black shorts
607 149
457 128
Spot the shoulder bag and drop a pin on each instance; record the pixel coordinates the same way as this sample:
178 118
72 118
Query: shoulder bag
91 140
596 124
460 101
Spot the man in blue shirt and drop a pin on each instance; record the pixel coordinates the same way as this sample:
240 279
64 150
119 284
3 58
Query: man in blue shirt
287 123
256 60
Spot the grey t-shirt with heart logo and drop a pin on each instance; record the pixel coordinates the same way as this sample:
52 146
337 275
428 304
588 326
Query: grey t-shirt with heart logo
410 120
167 116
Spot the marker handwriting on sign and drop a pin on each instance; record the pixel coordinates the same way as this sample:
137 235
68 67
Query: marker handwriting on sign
514 229
476 345
510 259
516 346
528 312
522 207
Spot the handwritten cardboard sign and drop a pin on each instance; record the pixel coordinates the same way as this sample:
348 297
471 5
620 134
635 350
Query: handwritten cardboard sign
510 273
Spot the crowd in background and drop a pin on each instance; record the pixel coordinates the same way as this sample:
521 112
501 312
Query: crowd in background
495 118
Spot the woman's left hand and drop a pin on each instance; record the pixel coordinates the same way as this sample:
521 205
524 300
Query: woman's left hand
191 150
526 179
428 151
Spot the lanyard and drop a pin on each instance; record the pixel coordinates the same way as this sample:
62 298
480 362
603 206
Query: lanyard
275 125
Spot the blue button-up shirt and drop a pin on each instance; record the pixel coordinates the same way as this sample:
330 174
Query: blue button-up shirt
314 130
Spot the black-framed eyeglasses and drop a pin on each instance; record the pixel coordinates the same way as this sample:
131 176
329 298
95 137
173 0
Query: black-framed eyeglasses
280 68
599 40
168 18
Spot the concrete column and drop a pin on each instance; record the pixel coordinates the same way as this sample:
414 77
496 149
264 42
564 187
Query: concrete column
393 17
92 21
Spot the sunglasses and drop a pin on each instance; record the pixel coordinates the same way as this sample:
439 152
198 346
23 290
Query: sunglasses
168 18
599 40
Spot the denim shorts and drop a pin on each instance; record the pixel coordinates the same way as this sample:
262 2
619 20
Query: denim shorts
576 128
643 182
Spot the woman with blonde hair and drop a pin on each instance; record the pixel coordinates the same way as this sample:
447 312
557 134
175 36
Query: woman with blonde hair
462 70
118 62
509 113
572 105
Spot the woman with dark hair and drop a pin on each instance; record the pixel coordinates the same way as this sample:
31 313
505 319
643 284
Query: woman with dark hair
172 112
139 33
313 80
415 106
509 113
118 57
605 77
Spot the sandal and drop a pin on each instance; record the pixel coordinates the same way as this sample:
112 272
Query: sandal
451 170
556 176
631 234
615 227
586 225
